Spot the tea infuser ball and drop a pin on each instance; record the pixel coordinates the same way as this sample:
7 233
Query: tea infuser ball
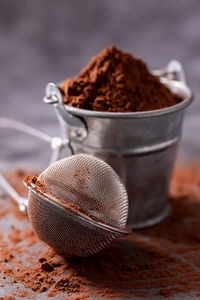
88 183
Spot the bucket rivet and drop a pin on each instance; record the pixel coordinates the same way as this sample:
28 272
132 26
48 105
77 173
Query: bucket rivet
77 133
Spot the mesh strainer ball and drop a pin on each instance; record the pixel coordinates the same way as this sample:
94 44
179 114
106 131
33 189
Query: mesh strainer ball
78 205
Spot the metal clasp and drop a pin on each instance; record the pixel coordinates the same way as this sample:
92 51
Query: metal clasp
54 96
173 71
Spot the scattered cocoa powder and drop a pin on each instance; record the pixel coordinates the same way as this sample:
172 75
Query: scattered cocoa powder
163 260
14 237
7 298
115 81
21 294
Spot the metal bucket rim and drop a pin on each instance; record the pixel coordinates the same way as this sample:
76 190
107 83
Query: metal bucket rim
141 114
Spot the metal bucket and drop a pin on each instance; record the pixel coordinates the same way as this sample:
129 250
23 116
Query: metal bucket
140 146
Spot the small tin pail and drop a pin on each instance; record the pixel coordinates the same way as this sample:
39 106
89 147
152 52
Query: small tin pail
140 146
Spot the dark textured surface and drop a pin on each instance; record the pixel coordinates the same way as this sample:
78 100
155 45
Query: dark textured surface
42 41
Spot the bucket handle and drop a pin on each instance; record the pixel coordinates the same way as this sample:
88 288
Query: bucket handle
173 71
54 96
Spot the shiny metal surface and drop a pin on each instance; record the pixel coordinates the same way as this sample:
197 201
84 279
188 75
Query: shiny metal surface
140 146
21 201
101 202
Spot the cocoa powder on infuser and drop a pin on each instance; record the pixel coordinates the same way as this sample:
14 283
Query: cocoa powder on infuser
114 81
163 260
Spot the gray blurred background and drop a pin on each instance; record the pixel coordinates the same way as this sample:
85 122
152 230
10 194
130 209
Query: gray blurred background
43 41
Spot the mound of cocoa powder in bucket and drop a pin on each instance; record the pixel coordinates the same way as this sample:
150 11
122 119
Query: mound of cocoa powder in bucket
115 81
163 260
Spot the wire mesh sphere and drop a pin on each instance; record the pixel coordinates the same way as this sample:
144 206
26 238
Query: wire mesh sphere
90 184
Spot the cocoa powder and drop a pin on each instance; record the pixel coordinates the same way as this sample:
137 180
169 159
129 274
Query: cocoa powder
115 81
162 260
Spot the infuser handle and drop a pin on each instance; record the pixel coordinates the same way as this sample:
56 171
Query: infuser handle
22 202
57 143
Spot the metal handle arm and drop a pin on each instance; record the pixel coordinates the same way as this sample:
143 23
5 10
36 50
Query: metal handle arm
22 202
57 143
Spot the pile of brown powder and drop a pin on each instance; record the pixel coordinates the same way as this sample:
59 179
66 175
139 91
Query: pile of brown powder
114 81
163 260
